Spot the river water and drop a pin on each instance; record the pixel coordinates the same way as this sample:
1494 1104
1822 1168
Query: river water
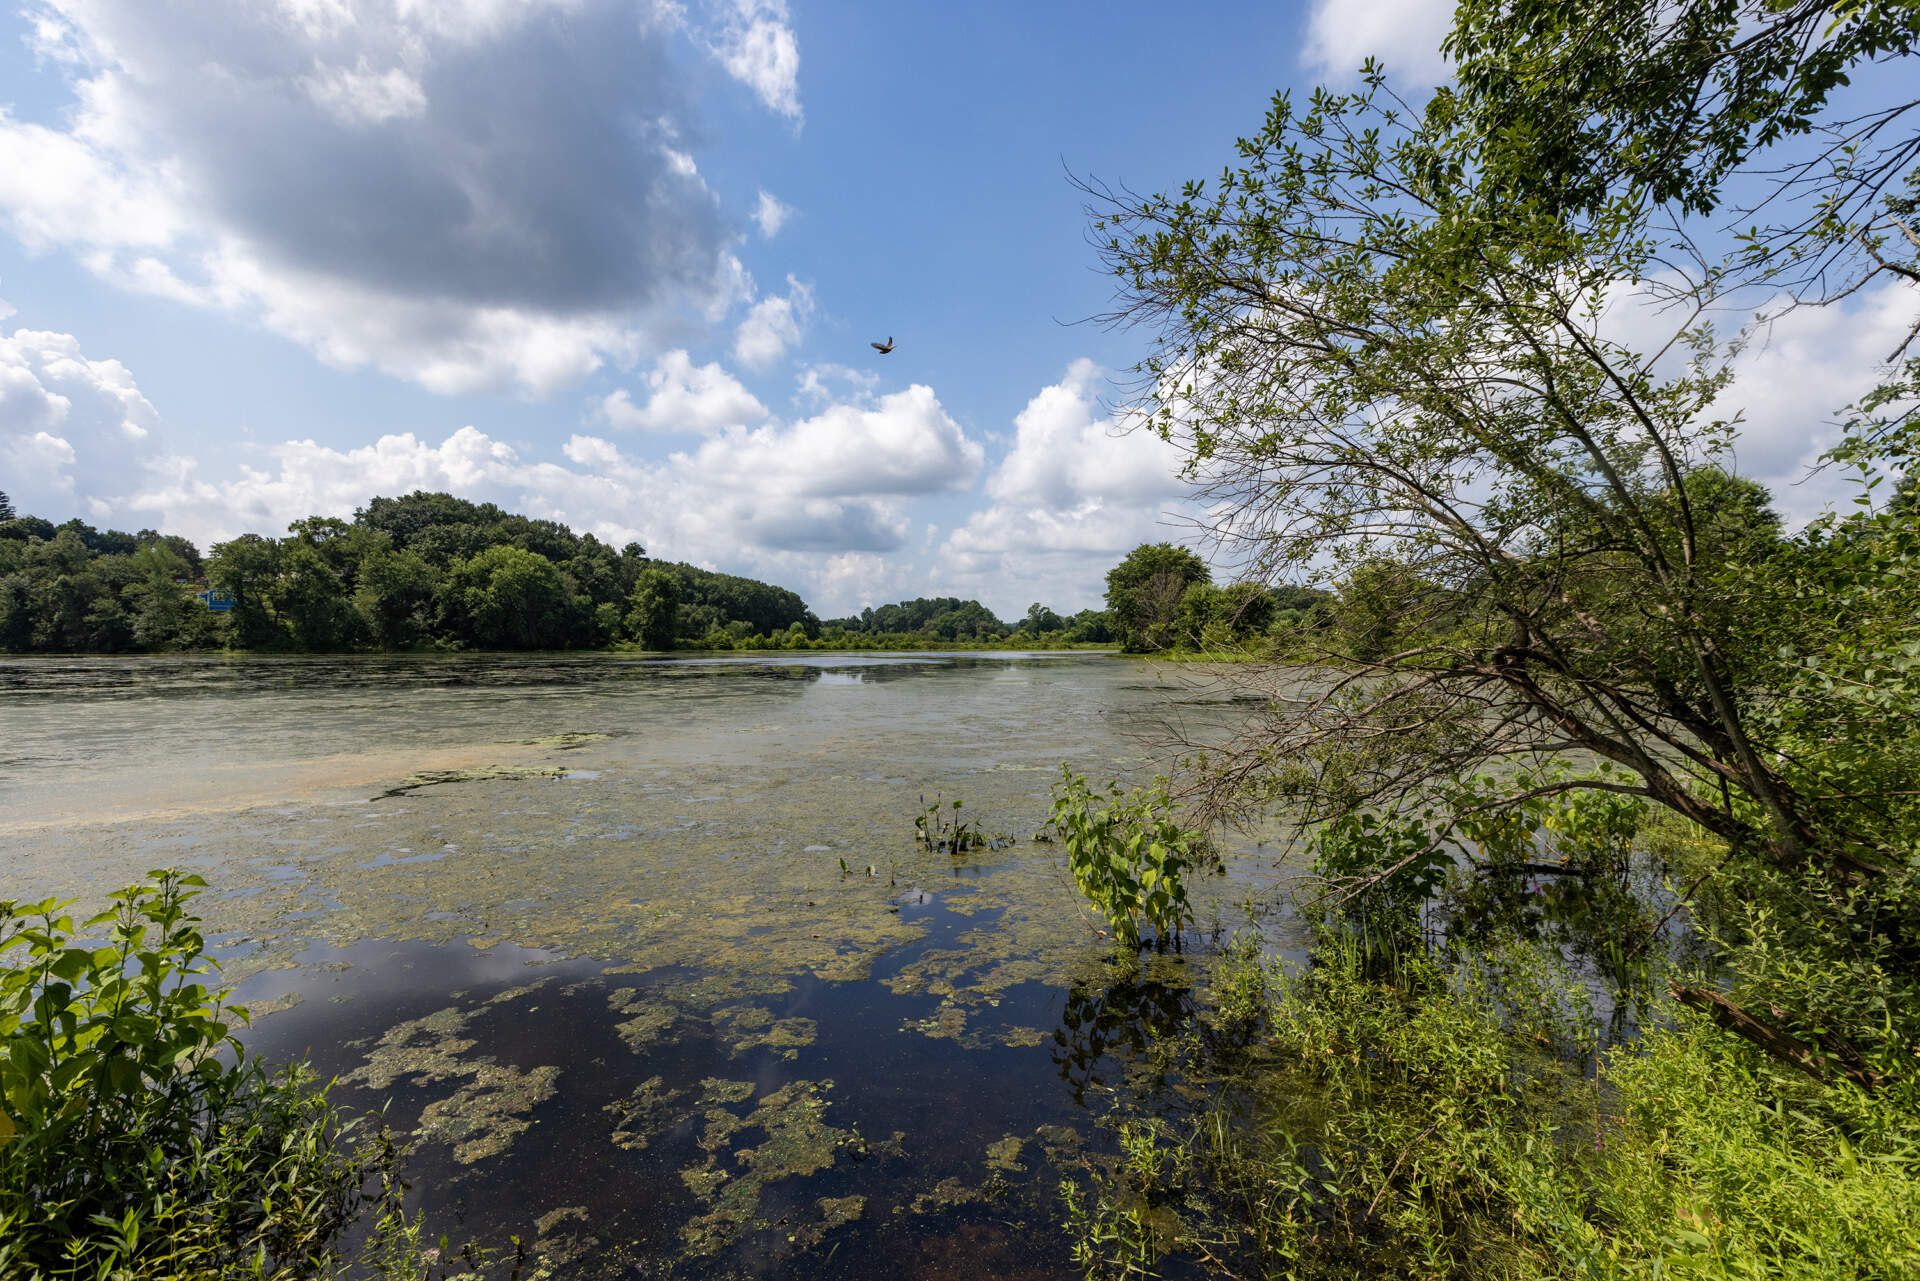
642 953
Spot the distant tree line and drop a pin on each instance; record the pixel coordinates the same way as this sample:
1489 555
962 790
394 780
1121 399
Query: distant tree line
423 570
949 619
1163 598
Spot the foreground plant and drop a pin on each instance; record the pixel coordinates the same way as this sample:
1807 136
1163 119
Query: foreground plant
138 1139
941 830
1128 855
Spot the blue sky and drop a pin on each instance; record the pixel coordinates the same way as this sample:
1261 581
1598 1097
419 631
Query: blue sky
617 262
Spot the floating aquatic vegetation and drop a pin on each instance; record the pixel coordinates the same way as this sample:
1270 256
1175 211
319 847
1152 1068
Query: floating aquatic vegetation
427 1049
475 774
483 1117
715 1090
1004 1155
798 1142
1060 1143
646 1021
645 1114
835 1212
557 1245
945 1023
562 742
749 1026
285 1001
945 1195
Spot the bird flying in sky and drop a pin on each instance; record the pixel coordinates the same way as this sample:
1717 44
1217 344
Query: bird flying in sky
883 348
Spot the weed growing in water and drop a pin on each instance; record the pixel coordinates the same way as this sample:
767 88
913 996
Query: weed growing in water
945 832
1129 857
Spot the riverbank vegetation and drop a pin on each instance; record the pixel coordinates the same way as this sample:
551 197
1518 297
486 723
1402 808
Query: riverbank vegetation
1610 790
138 1139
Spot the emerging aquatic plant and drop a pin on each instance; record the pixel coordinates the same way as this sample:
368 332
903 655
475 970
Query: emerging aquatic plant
944 832
1129 857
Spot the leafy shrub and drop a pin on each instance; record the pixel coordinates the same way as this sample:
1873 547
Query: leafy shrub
137 1139
1129 857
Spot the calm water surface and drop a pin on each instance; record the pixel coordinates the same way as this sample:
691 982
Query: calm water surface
642 952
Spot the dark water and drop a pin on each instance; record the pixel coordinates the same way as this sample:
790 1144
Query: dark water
642 953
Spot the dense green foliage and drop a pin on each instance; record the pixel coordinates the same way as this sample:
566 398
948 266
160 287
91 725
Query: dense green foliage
1162 599
136 1137
1387 344
420 570
1460 1122
432 570
1128 855
1146 590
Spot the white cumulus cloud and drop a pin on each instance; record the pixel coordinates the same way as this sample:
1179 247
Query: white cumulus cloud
772 325
70 427
757 47
1404 35
684 397
1074 494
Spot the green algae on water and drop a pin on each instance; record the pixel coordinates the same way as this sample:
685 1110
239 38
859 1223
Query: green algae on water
797 1142
485 1113
645 1114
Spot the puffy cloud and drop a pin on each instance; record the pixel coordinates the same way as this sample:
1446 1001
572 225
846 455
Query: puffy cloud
683 397
1404 35
904 444
1074 494
1791 380
1065 451
788 500
770 215
757 47
56 189
58 408
772 325
391 182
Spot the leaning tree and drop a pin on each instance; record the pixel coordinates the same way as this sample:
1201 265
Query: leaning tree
1461 360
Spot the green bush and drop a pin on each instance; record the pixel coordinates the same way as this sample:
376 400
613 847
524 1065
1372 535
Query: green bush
1129 857
137 1138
